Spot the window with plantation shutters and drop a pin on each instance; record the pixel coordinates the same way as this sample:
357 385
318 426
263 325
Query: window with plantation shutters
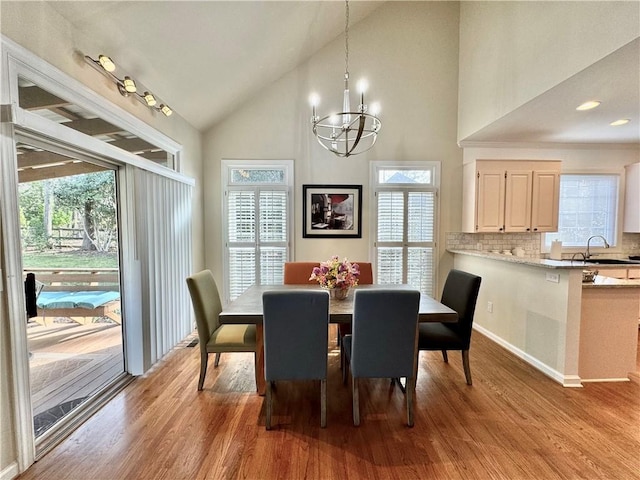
405 200
257 234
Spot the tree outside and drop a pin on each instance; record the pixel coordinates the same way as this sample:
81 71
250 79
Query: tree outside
70 213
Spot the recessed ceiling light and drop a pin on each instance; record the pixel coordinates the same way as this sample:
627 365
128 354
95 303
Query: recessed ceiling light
588 105
622 121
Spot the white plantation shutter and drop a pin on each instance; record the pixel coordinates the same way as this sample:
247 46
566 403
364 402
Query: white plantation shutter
405 227
242 216
273 236
258 230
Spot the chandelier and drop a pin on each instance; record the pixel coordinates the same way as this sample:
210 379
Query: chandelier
349 132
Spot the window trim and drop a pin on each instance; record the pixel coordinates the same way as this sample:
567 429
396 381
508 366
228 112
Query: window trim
434 186
227 185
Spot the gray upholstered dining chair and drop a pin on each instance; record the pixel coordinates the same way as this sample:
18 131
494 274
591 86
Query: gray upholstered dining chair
460 293
214 337
383 342
295 341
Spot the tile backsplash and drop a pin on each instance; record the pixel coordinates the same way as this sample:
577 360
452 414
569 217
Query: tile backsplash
529 242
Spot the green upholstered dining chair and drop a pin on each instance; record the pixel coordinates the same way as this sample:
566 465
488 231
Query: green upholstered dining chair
460 293
295 348
383 342
214 337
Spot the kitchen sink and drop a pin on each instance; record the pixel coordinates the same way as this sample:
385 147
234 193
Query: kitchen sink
611 261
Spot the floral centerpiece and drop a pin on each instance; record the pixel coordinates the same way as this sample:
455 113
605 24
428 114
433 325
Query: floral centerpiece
338 276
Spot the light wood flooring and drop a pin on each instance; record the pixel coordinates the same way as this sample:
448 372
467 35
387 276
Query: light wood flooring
513 423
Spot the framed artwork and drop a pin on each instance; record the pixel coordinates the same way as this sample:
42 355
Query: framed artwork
332 211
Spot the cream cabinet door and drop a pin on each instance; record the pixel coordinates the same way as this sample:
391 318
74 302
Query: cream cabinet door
490 192
545 201
517 209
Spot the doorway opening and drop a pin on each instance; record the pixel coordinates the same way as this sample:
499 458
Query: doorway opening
71 260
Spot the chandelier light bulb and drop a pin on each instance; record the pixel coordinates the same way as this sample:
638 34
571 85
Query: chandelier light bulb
363 85
314 99
375 109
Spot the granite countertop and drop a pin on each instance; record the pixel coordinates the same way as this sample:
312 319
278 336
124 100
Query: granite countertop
543 262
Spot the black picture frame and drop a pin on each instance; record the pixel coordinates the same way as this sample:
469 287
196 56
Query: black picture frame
332 211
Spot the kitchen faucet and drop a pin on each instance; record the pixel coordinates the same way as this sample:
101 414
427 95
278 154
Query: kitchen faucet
606 244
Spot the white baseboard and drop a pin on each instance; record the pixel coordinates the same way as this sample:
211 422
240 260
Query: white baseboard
624 379
9 472
573 381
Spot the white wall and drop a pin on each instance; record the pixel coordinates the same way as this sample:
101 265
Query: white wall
511 52
543 333
408 51
38 28
592 159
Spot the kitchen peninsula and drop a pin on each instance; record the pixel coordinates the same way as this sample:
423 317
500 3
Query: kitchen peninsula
541 311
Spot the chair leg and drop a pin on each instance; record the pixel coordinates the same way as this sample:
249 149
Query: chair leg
267 422
204 358
465 364
409 393
217 362
356 401
345 368
323 403
445 356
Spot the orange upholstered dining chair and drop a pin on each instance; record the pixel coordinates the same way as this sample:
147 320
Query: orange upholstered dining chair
298 273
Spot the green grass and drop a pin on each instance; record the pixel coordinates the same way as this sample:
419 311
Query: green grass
71 259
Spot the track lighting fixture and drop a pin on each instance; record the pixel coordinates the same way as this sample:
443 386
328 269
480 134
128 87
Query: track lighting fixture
127 86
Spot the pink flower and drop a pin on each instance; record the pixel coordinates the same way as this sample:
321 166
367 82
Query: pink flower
336 274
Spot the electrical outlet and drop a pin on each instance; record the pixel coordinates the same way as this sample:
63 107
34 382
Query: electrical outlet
553 277
490 307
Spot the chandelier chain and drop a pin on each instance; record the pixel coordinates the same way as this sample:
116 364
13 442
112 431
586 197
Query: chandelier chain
346 39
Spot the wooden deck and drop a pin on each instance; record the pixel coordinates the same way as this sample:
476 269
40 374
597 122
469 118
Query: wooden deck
70 361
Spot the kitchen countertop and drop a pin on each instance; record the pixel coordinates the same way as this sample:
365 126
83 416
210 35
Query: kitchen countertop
600 281
544 262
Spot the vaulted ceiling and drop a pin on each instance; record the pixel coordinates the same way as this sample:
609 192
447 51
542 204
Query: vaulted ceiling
206 58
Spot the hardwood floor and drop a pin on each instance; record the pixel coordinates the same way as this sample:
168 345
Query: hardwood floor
513 423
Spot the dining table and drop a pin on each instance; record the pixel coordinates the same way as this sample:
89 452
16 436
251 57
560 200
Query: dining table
247 309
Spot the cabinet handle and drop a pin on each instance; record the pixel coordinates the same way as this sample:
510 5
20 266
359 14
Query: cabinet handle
528 229
535 229
500 229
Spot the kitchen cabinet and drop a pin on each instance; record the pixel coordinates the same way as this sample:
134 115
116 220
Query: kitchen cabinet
511 196
631 221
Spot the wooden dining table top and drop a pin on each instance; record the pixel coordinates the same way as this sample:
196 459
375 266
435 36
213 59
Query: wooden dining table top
247 308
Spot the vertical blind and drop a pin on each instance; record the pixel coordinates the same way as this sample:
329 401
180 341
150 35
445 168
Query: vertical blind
164 250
